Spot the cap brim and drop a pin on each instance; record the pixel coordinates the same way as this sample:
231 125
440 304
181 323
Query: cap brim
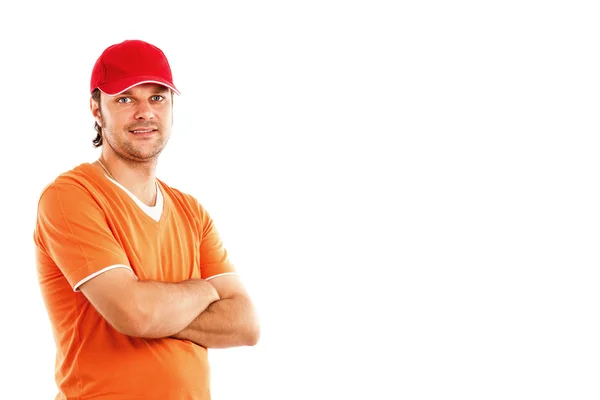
118 87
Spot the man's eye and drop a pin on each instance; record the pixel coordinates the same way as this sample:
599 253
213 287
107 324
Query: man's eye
157 97
124 100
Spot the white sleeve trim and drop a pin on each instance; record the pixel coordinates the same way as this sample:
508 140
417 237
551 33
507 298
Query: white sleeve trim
95 274
224 273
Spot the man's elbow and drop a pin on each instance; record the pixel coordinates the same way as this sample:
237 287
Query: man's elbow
130 324
253 332
253 335
135 321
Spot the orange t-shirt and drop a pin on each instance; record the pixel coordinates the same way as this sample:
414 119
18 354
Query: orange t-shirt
86 225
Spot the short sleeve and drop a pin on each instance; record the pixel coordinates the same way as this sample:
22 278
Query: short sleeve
213 255
72 230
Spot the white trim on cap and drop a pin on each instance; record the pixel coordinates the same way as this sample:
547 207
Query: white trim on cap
139 83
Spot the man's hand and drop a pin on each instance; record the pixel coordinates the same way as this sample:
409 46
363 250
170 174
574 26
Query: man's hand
229 322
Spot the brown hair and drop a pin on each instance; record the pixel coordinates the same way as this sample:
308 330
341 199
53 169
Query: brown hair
97 142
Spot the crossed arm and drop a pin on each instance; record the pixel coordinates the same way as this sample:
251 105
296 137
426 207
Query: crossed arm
71 226
216 313
230 321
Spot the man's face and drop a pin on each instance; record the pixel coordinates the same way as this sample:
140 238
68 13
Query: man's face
136 124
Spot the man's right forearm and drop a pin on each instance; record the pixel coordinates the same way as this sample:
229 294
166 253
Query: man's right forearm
167 308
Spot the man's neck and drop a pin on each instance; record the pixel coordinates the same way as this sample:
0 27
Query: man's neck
138 178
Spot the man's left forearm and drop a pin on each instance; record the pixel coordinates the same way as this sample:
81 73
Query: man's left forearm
230 322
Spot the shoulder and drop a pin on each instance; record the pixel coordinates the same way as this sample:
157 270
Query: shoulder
178 194
183 199
80 175
74 183
64 203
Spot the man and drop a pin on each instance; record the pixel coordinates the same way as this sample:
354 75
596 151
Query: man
134 276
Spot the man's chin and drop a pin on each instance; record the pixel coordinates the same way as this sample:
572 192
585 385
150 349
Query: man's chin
143 156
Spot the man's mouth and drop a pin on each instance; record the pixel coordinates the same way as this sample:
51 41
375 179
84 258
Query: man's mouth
145 130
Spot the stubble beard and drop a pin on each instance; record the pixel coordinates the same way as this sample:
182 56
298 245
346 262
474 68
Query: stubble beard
127 150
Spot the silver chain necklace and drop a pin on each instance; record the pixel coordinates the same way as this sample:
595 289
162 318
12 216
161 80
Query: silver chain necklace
113 178
104 168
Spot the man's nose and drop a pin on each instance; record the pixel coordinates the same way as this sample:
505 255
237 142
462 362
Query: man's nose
144 111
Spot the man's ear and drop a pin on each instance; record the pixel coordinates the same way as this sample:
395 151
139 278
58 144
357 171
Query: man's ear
95 109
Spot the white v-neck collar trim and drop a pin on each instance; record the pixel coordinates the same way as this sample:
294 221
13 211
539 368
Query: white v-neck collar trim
154 212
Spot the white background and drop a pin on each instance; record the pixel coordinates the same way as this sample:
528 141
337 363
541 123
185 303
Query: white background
410 189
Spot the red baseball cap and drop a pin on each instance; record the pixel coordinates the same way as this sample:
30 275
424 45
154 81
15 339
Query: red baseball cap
128 64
